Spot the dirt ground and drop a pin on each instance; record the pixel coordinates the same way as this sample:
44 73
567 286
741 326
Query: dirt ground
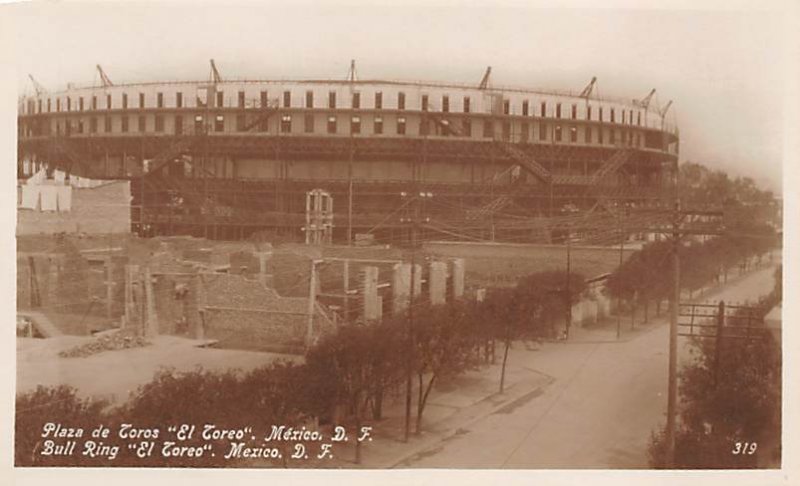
113 375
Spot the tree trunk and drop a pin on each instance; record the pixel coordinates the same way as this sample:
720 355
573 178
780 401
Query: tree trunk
503 371
357 416
646 311
423 400
377 403
633 314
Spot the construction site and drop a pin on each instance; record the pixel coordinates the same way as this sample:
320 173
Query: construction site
257 216
224 159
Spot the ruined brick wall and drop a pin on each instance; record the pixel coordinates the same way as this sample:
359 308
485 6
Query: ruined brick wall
62 279
41 268
243 314
98 210
257 331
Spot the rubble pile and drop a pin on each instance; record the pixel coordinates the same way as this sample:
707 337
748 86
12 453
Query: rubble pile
107 342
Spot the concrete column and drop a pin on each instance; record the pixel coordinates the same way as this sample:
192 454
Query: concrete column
262 267
417 280
605 304
589 312
138 303
437 283
199 324
371 303
457 274
598 303
613 306
109 271
130 308
598 309
151 318
346 290
401 287
577 314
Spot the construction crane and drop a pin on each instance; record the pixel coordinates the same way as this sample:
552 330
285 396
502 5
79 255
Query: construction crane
215 77
37 86
663 111
351 75
104 78
587 91
646 101
485 80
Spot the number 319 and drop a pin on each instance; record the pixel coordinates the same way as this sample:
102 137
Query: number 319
744 448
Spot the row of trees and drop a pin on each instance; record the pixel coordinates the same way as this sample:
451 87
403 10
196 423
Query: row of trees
344 380
643 278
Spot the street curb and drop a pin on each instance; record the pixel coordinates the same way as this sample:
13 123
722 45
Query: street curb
454 430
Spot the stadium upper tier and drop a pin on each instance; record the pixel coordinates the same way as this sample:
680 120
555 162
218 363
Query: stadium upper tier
346 108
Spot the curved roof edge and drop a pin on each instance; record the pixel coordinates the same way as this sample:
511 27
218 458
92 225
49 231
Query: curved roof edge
397 82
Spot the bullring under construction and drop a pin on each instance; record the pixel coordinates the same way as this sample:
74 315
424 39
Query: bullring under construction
338 159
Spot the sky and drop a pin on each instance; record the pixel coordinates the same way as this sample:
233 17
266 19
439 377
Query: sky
724 69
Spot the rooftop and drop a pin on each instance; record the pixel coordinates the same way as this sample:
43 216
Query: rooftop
363 82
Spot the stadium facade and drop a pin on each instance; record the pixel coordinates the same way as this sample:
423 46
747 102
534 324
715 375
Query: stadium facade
224 159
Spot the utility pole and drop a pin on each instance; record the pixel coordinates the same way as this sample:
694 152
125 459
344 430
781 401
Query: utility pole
621 249
417 199
672 388
718 347
312 301
207 126
410 331
568 290
417 196
351 78
350 197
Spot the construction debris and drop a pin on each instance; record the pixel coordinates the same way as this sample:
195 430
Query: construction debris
107 342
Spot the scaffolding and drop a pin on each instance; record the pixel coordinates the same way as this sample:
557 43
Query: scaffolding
319 217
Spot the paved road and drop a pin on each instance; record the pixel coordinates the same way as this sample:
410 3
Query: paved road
599 412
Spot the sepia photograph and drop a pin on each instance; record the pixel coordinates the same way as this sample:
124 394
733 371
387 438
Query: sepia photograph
446 236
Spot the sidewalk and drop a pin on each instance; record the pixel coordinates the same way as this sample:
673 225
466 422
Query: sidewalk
452 407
